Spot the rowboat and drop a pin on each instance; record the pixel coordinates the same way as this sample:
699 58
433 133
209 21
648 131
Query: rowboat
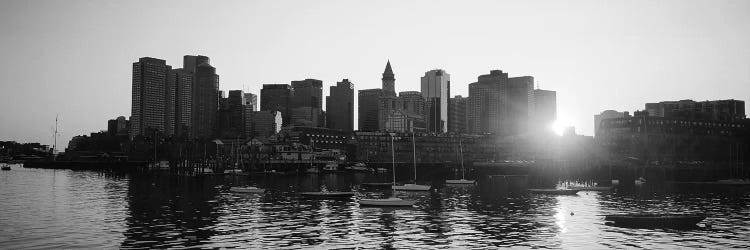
246 190
648 220
327 194
388 202
411 187
554 191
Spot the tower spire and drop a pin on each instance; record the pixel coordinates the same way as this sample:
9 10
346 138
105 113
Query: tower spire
388 79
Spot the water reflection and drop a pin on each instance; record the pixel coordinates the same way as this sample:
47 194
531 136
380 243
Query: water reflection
68 209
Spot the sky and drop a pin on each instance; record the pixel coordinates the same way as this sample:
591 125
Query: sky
73 59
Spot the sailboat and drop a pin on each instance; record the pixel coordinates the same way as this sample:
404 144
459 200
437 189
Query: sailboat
413 186
392 201
463 179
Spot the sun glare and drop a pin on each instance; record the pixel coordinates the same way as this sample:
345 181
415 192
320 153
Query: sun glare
558 127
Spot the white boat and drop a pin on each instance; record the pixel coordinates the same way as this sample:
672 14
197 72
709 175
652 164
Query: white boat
734 182
312 170
254 190
595 188
388 202
463 180
411 187
4 166
331 167
640 181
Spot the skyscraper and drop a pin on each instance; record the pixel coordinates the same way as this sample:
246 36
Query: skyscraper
389 80
182 82
519 104
149 96
485 103
545 108
205 100
340 106
367 107
250 101
436 90
277 97
457 114
307 102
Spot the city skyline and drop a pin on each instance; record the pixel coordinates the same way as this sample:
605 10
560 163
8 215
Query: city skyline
621 67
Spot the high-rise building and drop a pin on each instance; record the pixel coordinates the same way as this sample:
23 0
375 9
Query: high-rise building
545 108
277 97
367 108
485 103
205 103
436 91
234 126
413 102
181 81
457 114
308 93
389 80
340 106
250 101
263 123
519 104
149 96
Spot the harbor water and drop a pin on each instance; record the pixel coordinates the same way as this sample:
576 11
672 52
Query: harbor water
42 208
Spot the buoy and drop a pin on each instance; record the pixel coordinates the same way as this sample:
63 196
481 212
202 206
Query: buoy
571 213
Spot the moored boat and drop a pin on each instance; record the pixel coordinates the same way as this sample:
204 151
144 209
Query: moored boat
411 187
327 194
651 220
734 182
5 166
599 189
377 184
461 181
246 190
388 202
554 191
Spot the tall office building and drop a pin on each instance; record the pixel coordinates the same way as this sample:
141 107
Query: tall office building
367 109
485 103
149 96
308 93
436 91
182 82
519 105
545 108
250 101
277 97
263 123
389 80
340 106
413 102
205 96
457 114
235 124
607 114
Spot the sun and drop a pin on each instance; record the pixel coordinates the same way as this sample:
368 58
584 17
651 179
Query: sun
558 126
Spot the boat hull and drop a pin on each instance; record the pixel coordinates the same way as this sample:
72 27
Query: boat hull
655 220
554 191
247 190
386 202
412 187
461 181
327 194
599 189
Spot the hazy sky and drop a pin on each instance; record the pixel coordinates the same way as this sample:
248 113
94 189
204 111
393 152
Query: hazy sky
74 58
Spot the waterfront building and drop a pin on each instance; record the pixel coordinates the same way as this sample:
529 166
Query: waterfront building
305 116
112 127
484 111
457 114
607 114
264 123
149 96
435 88
318 138
519 105
368 109
205 104
443 149
277 97
718 110
545 109
397 120
340 106
122 126
308 93
389 80
181 81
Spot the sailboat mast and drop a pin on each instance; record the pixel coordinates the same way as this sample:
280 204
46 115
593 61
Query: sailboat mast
461 150
414 156
54 147
393 161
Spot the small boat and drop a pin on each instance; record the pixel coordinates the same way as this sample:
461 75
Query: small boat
411 187
377 184
5 167
254 190
599 189
312 170
389 202
327 194
648 220
640 181
461 181
554 191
